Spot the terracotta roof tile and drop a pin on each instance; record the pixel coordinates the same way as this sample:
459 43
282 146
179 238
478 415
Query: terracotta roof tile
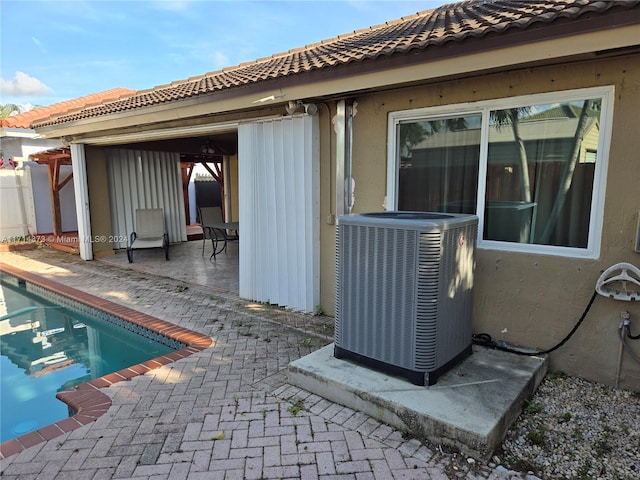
428 29
48 113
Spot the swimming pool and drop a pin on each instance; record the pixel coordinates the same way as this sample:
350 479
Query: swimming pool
46 348
60 337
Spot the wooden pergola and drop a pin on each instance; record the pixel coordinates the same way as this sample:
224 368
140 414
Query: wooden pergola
54 158
188 162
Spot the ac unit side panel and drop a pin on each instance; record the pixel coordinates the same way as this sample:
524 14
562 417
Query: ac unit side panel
337 320
427 296
456 293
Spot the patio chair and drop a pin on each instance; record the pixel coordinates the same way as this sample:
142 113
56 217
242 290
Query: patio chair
214 228
150 232
209 216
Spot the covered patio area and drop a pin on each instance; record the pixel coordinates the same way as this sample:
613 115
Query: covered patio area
186 263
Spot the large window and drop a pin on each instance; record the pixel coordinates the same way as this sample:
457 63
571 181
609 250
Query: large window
532 168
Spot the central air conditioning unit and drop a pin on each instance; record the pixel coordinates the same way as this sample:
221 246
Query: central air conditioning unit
404 291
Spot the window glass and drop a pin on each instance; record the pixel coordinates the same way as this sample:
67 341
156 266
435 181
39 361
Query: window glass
540 173
439 161
532 168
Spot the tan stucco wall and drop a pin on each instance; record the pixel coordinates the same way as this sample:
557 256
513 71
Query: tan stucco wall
525 299
326 111
99 206
233 188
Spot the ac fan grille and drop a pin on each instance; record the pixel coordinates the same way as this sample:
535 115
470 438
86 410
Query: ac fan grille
375 291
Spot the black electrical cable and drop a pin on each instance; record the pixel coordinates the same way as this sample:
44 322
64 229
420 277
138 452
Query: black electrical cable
485 340
627 327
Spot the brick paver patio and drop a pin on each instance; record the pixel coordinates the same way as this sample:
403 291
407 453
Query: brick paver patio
225 412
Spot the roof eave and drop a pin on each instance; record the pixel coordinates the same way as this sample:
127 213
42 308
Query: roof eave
18 132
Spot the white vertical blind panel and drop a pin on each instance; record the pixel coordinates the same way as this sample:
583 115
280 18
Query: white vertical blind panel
278 162
247 204
79 166
283 191
141 179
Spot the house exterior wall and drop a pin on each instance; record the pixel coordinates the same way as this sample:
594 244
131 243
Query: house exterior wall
530 299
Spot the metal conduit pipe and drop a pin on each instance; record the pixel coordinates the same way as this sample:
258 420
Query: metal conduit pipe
624 332
344 174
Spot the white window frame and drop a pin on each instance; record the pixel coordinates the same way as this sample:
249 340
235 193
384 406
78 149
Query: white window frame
606 93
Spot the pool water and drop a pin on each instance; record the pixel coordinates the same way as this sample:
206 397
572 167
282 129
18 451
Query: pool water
46 348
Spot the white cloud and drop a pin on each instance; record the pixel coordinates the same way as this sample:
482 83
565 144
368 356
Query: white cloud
220 60
38 44
22 85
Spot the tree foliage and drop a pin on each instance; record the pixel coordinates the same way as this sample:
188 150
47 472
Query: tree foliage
10 109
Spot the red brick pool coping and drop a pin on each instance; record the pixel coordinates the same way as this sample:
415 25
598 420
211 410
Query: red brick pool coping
87 399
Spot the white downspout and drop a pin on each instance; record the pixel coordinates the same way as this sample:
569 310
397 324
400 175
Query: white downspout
344 178
79 167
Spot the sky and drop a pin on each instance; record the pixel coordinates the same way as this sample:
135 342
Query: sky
51 51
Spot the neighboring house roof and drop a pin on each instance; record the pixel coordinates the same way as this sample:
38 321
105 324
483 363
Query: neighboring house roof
551 129
432 28
25 119
568 110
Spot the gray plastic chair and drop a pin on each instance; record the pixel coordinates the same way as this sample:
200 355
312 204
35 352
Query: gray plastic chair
209 216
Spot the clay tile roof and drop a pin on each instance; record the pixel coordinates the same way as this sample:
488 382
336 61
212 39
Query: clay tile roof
453 22
40 114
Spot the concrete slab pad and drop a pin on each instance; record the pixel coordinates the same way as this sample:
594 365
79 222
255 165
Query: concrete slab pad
471 407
